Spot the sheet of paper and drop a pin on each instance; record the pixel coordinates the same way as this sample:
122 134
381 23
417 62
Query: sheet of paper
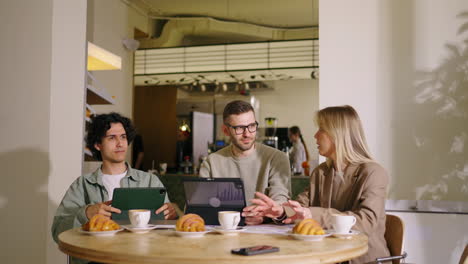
165 226
269 229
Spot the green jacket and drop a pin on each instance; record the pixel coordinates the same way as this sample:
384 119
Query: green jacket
89 189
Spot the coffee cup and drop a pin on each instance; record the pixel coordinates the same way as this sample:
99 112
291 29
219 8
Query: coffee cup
139 217
342 223
228 219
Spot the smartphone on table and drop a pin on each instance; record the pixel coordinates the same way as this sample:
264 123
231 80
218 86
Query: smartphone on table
255 250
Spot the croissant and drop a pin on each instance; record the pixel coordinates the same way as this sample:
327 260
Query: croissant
100 223
308 226
190 223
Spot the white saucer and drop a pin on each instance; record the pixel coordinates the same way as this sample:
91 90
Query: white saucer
100 233
310 237
229 232
191 234
345 235
140 230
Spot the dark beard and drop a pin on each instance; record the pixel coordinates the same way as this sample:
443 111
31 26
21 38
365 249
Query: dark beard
243 147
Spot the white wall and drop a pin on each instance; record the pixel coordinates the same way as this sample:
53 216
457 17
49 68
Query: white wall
42 89
389 59
434 238
427 112
67 94
374 55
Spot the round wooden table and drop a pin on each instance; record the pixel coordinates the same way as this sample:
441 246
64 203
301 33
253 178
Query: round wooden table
163 246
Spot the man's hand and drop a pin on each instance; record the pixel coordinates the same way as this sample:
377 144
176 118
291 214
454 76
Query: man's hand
101 208
263 206
169 211
300 212
253 220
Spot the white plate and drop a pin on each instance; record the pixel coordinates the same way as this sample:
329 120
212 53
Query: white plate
191 234
100 233
139 230
310 237
229 232
345 235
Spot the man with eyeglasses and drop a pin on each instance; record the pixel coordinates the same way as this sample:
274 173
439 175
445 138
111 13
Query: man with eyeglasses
262 168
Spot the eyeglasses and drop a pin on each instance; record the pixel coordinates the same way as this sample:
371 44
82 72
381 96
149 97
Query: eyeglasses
239 130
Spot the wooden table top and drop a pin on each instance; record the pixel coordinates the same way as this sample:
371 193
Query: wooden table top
163 246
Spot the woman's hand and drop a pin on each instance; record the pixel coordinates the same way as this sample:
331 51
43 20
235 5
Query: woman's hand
300 212
263 206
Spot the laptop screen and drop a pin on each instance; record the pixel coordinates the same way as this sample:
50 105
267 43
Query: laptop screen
215 193
208 196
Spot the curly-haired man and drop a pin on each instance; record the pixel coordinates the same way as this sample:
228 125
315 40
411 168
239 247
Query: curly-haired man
108 138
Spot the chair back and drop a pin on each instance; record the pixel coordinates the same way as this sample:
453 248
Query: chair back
394 231
464 256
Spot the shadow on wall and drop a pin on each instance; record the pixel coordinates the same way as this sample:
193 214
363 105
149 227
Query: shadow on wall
23 205
440 139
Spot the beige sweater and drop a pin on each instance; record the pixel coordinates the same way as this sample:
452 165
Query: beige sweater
266 170
362 194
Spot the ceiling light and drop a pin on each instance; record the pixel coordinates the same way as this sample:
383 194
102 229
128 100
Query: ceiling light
184 127
131 44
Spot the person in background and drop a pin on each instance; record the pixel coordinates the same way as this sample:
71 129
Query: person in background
108 138
262 168
138 152
298 153
349 182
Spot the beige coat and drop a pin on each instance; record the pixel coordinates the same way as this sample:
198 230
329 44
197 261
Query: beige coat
362 194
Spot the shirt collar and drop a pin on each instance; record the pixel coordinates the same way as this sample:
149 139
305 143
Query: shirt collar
96 176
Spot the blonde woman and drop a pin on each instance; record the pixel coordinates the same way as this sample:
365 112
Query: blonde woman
349 182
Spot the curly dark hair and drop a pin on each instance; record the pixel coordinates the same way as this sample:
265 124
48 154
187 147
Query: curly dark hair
100 124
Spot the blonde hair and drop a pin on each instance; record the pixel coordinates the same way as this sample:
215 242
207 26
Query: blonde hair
343 125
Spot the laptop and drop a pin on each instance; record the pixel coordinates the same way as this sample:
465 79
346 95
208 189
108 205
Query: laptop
126 199
207 196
